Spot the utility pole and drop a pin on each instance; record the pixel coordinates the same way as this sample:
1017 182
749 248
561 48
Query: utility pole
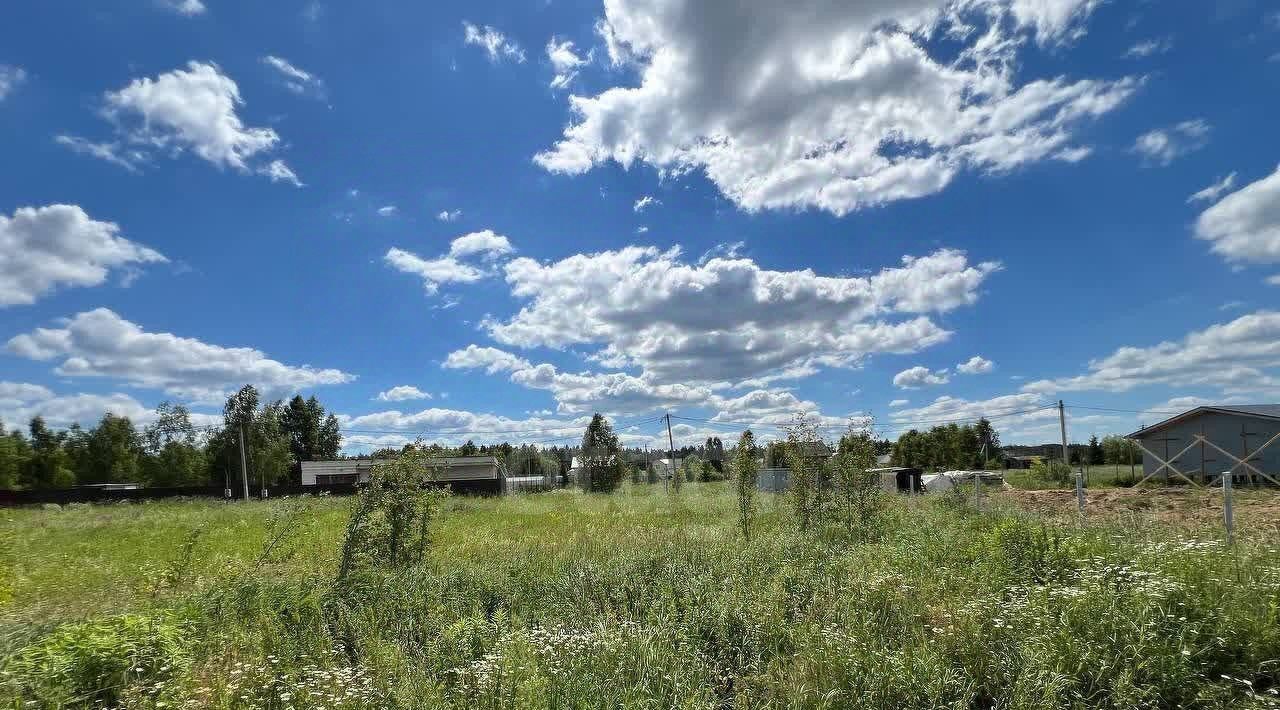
671 452
244 468
1062 423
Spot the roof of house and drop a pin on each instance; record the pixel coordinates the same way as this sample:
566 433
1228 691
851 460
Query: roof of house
1265 411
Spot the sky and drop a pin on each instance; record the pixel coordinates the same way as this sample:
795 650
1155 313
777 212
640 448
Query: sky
489 220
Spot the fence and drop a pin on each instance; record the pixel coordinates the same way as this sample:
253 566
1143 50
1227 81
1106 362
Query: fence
64 496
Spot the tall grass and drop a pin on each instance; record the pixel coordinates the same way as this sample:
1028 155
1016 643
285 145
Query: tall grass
641 599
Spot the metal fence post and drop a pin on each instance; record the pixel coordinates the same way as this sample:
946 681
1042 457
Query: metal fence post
1080 493
1226 505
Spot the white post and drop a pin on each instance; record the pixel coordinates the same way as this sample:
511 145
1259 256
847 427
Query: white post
1226 504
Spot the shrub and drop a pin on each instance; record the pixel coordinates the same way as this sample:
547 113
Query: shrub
97 662
390 526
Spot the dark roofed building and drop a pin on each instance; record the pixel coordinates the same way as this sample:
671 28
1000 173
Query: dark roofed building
1203 442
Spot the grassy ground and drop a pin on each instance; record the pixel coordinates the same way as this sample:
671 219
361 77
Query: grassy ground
1108 476
637 599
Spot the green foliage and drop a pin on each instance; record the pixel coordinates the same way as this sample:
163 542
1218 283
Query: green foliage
100 662
566 600
599 457
746 471
312 435
1052 471
858 499
1118 450
14 452
49 465
1096 456
803 441
390 527
947 447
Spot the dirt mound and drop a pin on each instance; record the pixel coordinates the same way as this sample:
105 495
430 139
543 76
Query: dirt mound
1188 506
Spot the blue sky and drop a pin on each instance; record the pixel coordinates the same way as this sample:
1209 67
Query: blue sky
461 218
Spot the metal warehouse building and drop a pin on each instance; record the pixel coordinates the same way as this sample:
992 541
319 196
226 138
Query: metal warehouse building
1201 444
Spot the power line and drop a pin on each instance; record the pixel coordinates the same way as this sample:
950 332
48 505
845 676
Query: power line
1124 411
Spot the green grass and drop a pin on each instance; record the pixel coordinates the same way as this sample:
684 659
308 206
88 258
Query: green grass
1107 476
638 599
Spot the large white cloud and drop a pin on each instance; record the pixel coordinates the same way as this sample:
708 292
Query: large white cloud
832 105
192 109
42 248
728 319
1244 226
99 343
1239 356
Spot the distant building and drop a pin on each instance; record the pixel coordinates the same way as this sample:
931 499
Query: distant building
1022 461
445 469
1202 443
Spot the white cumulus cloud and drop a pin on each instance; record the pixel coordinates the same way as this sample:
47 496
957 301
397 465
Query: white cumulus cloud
99 343
975 365
192 109
43 248
728 319
920 376
833 106
1237 356
402 393
453 267
1244 226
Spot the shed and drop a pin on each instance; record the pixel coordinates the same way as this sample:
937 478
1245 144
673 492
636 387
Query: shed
1202 443
898 479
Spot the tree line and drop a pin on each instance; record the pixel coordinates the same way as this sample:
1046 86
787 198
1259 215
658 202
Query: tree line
171 451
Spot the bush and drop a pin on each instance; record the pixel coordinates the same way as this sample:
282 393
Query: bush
390 526
1052 471
98 662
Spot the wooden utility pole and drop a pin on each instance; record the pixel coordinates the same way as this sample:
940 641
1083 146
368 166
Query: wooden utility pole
1066 459
671 452
244 468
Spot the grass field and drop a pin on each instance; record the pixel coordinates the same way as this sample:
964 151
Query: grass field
639 599
1106 476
